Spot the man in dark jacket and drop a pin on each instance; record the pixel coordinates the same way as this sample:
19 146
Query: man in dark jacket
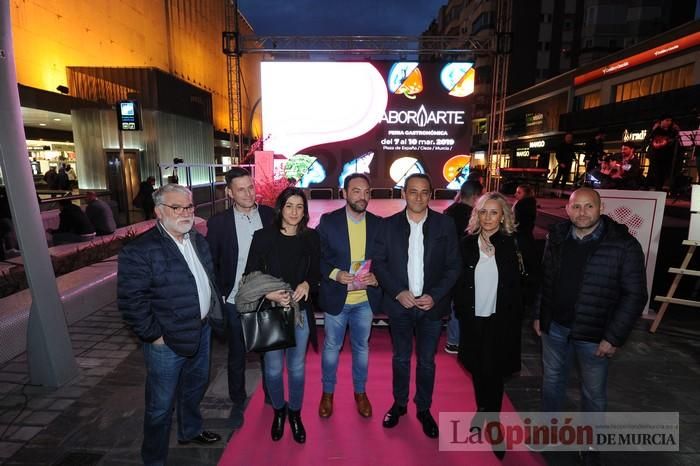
417 266
461 212
593 291
662 152
566 153
167 295
349 293
229 235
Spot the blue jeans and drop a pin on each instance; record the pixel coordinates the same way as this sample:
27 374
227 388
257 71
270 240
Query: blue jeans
236 355
427 332
558 354
453 329
359 318
170 376
296 359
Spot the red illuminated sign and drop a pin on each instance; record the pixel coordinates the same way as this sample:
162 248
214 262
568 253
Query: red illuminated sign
643 57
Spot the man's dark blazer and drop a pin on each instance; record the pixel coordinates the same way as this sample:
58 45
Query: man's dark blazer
335 253
441 261
223 244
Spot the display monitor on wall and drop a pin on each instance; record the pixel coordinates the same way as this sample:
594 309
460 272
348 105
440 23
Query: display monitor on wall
129 115
371 117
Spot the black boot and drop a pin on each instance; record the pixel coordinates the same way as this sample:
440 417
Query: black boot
278 423
479 418
298 431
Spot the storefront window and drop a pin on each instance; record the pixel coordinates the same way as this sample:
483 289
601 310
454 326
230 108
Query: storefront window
590 100
46 154
654 84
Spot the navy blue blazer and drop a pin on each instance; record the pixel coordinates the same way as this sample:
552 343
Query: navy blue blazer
335 254
442 263
223 244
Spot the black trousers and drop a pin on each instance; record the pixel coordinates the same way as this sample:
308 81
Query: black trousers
482 342
660 167
562 175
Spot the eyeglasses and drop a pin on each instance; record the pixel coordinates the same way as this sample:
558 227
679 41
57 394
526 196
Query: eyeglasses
178 209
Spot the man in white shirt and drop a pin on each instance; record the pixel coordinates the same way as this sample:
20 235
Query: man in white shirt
229 235
417 266
167 295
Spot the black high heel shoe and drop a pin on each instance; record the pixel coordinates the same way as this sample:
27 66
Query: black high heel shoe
278 423
298 431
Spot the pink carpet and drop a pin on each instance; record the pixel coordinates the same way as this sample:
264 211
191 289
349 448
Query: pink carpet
348 439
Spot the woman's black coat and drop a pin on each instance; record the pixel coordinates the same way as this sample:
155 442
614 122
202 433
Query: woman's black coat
509 305
263 257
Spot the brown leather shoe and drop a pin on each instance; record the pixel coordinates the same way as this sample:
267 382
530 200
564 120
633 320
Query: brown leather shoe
363 405
325 408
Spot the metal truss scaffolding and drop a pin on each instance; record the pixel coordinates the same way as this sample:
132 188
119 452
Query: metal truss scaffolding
421 48
501 61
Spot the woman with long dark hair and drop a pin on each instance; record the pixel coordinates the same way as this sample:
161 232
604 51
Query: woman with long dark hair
488 303
289 250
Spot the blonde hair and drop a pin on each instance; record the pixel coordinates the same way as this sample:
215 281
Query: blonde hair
507 225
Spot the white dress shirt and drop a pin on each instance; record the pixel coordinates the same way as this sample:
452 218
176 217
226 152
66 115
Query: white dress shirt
415 256
246 226
197 269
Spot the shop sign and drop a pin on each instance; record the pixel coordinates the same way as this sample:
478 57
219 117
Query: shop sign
522 152
534 119
636 136
655 53
537 144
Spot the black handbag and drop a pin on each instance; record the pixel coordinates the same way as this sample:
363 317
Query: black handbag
268 328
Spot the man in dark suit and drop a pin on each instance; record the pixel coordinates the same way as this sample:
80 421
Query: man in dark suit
167 295
349 292
418 264
229 234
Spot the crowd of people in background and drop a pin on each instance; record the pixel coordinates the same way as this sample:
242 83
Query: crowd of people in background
623 169
476 263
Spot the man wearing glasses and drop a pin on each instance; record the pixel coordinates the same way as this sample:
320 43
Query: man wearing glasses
167 294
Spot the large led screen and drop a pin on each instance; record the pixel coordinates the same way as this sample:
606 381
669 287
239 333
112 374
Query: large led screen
388 119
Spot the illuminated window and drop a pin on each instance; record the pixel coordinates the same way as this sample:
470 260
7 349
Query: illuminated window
660 82
590 100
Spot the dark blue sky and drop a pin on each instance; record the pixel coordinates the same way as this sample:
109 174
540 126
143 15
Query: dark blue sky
340 17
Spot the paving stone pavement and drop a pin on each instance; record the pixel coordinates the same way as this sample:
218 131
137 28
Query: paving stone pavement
97 418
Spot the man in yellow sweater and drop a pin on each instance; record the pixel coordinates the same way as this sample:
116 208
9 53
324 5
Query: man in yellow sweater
349 292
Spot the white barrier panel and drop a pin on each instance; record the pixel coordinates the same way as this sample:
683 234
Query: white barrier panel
643 213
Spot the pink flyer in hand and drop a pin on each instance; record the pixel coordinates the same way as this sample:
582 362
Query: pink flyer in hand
359 269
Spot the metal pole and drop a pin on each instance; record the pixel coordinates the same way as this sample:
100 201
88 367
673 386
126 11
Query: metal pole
120 170
49 351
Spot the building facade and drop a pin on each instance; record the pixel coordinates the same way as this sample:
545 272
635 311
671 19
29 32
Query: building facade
551 37
75 60
621 95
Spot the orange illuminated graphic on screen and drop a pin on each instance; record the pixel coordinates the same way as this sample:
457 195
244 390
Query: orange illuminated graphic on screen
640 58
458 78
405 78
454 166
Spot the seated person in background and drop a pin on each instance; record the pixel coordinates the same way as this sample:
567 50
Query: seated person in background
630 168
100 214
608 175
74 225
